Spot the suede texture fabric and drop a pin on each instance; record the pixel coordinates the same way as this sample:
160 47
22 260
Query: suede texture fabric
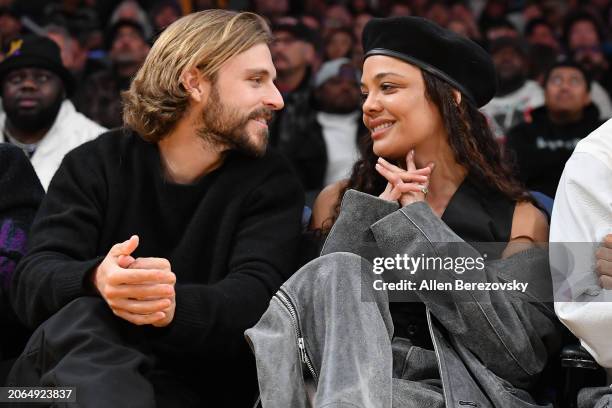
490 347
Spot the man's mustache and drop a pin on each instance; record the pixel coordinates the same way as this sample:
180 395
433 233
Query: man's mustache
265 113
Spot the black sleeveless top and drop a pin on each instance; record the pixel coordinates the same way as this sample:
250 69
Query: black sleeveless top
481 217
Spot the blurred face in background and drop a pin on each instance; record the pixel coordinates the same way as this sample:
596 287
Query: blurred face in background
32 98
164 17
128 50
509 64
566 92
340 94
339 44
543 35
583 34
289 53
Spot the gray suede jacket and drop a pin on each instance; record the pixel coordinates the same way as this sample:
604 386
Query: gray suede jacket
490 346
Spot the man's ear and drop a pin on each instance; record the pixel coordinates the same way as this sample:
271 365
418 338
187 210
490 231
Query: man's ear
196 85
457 96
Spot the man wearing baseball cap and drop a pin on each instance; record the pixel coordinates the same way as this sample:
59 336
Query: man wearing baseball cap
324 151
294 54
38 117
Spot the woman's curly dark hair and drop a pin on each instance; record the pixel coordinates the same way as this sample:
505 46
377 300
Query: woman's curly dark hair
469 137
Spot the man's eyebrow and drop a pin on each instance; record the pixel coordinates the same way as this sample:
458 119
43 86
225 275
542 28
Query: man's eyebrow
261 72
381 75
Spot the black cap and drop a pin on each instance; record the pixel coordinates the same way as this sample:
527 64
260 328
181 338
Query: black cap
114 30
36 52
450 57
11 10
515 43
298 30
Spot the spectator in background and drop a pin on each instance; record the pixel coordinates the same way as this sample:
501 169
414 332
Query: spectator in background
293 53
541 60
516 95
501 28
38 117
20 198
360 21
10 26
271 9
75 55
163 13
339 43
539 32
402 9
438 12
542 145
462 13
493 13
324 151
336 16
100 97
583 37
131 10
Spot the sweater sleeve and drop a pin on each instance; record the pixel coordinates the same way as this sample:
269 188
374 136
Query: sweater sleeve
210 319
62 247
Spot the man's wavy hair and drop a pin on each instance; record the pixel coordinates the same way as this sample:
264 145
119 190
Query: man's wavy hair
157 100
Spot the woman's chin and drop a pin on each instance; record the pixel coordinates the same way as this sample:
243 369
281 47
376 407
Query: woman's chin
387 153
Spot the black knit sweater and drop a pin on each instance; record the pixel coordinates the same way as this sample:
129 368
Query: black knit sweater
231 238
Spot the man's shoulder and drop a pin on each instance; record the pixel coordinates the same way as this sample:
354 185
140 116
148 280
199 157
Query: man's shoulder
110 144
269 169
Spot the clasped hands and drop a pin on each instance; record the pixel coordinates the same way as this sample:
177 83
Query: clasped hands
404 186
139 290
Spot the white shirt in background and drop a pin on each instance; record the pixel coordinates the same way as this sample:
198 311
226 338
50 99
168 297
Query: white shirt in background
340 136
582 216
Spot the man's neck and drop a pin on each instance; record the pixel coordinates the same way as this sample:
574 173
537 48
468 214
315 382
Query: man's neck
25 137
185 157
289 81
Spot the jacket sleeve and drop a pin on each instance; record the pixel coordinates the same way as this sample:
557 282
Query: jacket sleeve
62 246
581 218
511 333
211 319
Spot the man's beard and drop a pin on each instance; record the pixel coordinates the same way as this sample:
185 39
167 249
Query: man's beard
224 127
31 122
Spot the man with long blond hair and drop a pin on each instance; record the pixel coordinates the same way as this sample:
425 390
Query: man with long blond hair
158 244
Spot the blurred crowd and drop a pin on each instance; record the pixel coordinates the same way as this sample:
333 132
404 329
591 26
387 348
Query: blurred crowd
552 61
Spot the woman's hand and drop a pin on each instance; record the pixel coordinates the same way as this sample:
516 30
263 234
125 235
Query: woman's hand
404 186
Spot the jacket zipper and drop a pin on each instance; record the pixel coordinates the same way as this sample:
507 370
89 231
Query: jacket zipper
286 301
437 351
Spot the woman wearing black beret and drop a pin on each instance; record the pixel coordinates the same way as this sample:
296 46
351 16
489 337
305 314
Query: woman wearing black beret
431 180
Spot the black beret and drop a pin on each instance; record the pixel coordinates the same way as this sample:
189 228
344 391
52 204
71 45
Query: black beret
453 58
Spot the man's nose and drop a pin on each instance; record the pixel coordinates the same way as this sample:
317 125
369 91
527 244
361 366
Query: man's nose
274 99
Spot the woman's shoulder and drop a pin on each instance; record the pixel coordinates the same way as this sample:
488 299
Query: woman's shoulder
529 221
325 204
